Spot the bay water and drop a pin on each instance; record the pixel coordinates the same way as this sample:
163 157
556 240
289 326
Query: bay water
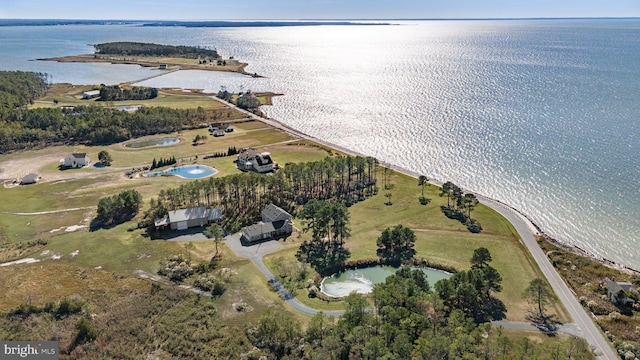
543 115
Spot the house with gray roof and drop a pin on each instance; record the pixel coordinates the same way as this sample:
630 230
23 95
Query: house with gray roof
619 291
183 219
273 213
252 160
275 222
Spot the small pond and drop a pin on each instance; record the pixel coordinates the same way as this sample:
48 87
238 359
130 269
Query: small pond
155 142
187 172
362 280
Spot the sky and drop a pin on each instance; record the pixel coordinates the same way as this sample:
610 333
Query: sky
312 9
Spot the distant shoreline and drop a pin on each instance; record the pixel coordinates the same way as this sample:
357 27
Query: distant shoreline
231 65
273 23
190 24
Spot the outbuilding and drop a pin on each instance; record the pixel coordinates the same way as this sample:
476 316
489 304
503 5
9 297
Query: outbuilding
86 95
183 219
30 179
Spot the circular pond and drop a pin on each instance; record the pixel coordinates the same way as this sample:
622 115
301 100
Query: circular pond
362 280
187 172
155 142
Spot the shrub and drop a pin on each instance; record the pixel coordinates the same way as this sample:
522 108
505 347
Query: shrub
85 331
473 226
614 316
210 283
176 268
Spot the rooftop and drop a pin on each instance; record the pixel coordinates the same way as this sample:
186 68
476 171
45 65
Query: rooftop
194 213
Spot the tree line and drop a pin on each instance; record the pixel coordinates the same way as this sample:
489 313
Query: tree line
348 179
116 93
328 223
126 48
460 205
92 125
241 197
232 150
472 291
162 162
20 88
246 100
396 245
118 208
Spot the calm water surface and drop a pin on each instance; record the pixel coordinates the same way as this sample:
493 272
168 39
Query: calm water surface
542 115
363 280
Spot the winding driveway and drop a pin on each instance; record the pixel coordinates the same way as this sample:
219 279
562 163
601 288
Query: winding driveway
255 253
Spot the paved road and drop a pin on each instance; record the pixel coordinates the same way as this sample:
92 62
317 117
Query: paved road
584 322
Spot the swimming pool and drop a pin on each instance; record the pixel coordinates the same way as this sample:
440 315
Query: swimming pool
187 172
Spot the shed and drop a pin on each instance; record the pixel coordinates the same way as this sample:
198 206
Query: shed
183 219
30 179
90 94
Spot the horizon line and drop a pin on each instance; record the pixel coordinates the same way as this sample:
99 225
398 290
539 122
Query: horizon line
338 19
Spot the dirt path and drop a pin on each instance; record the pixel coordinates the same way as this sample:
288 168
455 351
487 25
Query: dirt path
164 281
18 168
52 211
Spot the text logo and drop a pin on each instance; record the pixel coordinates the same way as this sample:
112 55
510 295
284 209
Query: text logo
40 350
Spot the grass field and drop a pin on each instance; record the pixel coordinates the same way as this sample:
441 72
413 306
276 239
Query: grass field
71 95
439 240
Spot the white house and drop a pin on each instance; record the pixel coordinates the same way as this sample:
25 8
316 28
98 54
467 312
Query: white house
90 94
251 159
75 160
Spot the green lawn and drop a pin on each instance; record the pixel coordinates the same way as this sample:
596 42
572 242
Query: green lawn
439 239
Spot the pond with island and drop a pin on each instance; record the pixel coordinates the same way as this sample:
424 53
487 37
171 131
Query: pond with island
362 280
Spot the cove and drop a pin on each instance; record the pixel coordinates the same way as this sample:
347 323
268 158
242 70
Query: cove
363 280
